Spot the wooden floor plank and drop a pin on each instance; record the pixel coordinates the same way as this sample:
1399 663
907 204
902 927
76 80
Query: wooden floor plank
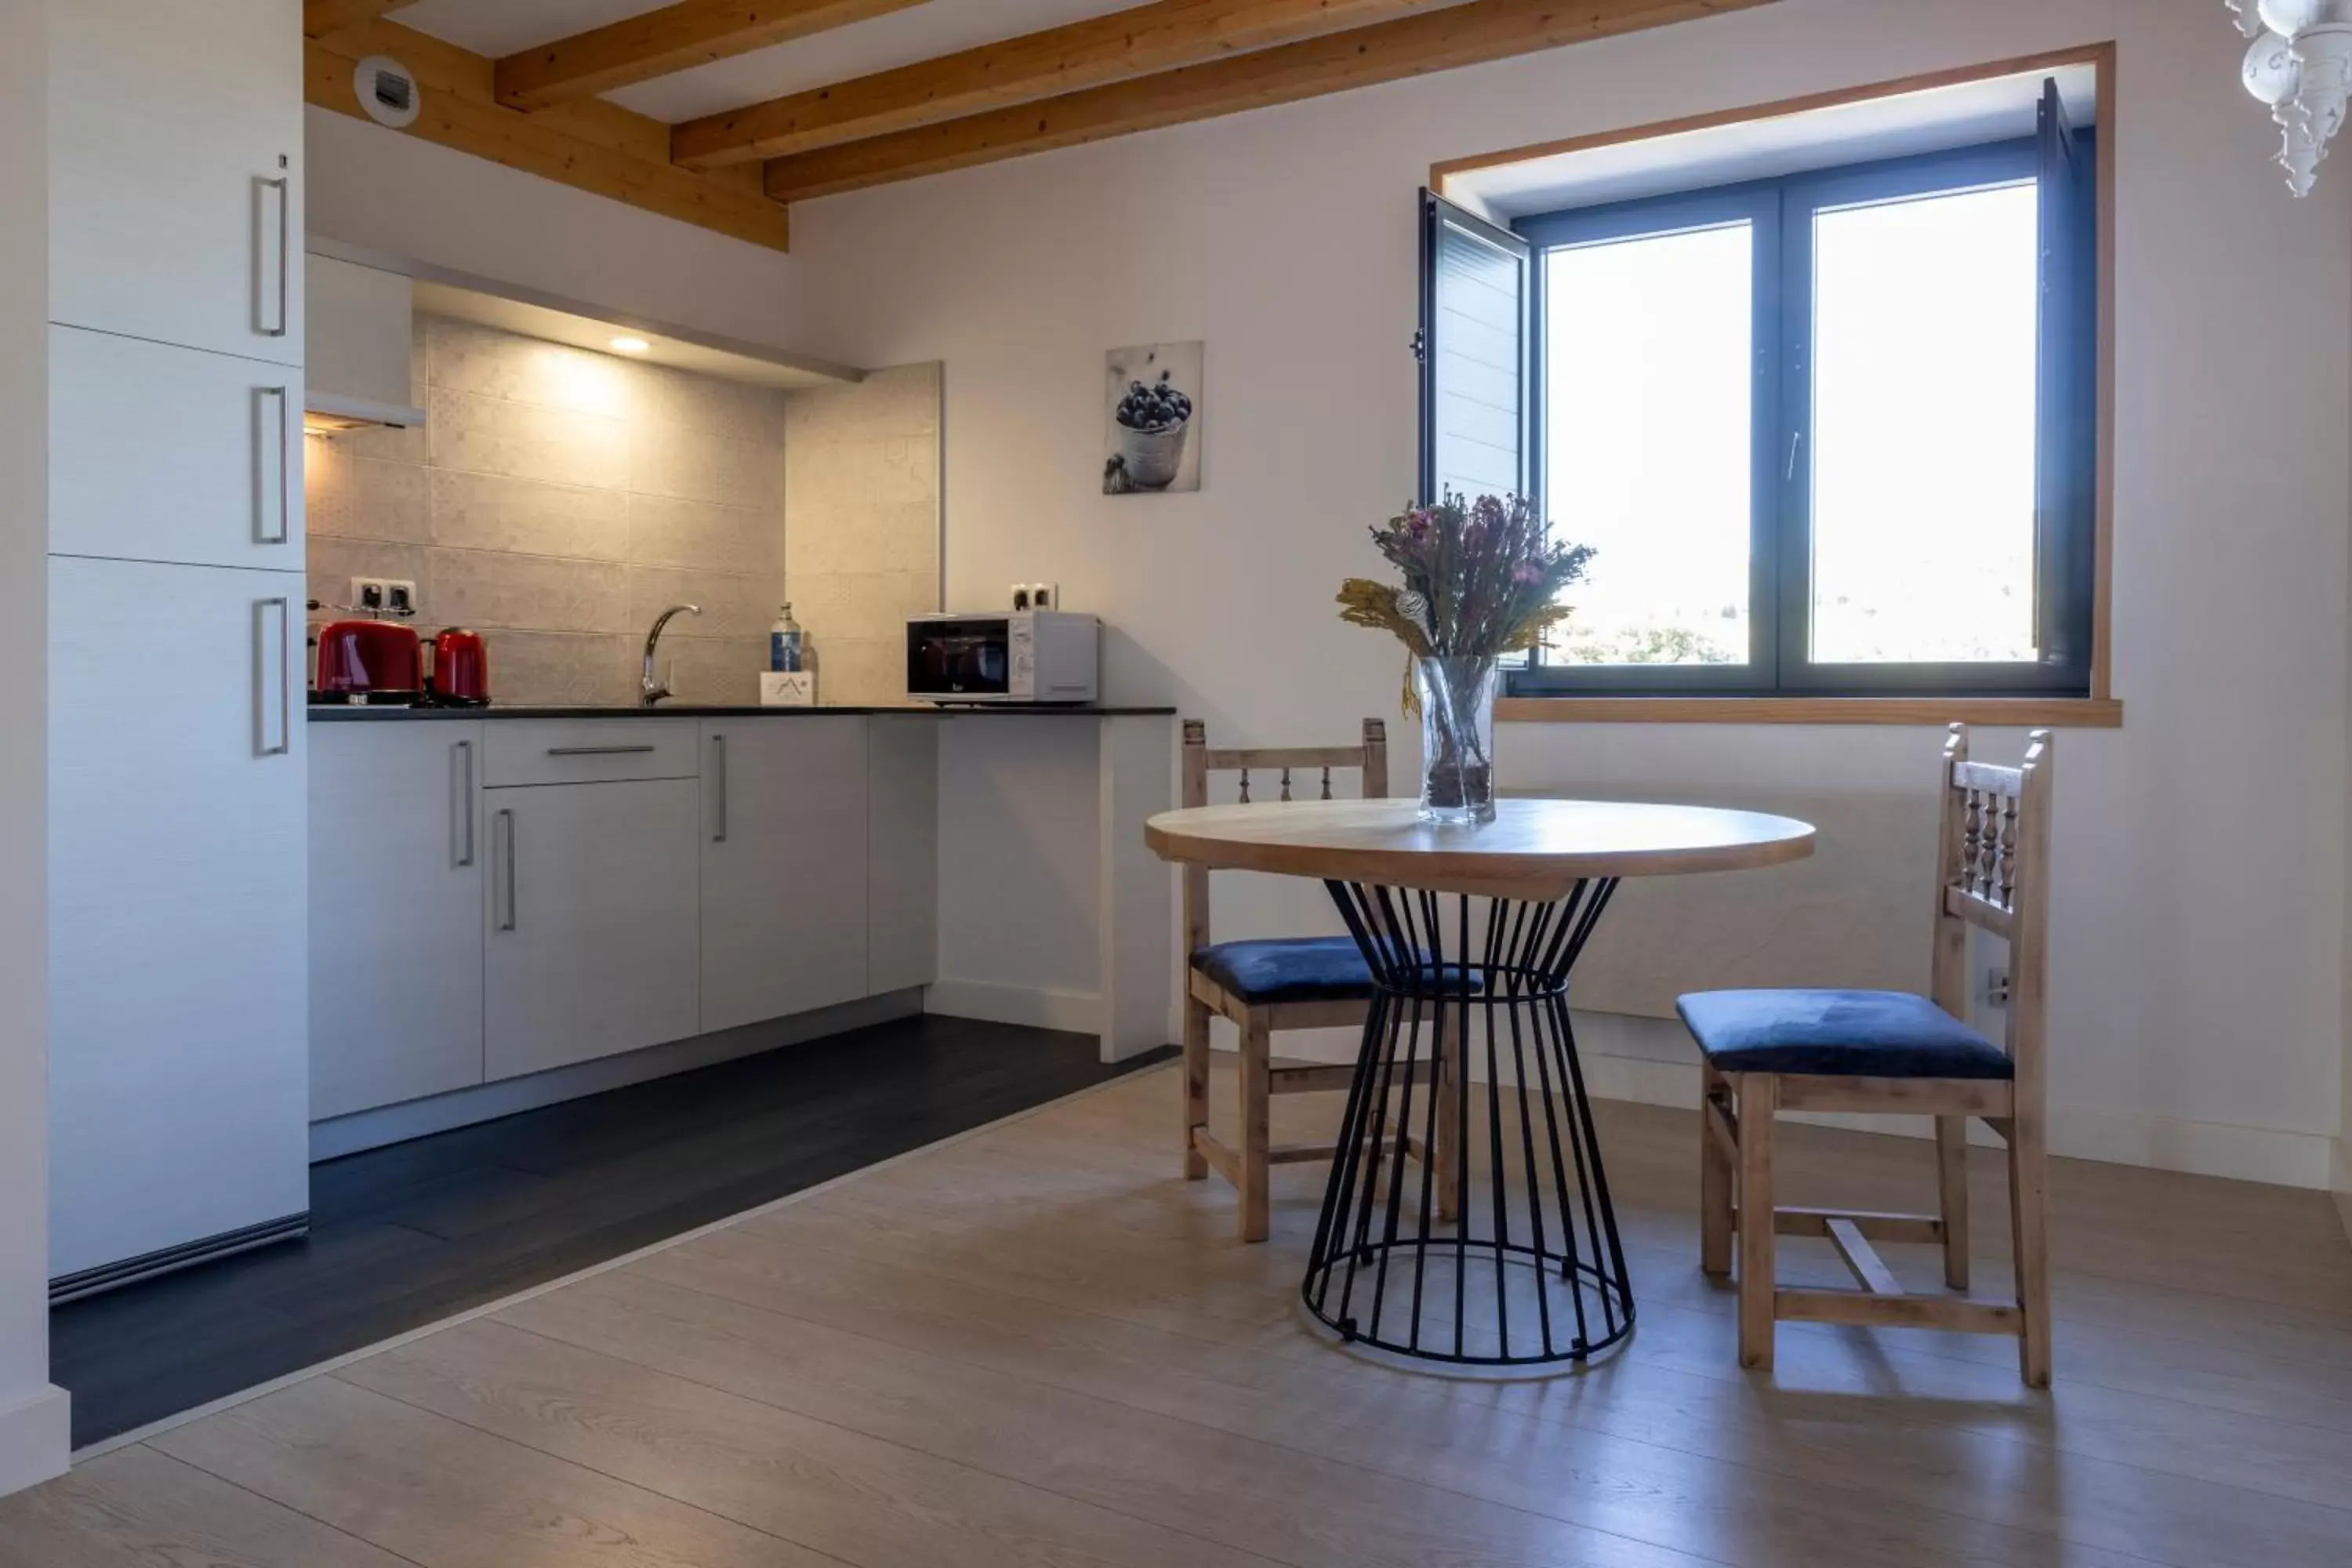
139 1509
443 1495
1038 1347
866 1501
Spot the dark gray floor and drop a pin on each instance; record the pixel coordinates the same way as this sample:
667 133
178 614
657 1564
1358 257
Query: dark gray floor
409 1233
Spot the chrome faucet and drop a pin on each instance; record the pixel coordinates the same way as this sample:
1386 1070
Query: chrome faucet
650 691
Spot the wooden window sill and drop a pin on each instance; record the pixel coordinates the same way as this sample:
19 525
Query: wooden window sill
2058 712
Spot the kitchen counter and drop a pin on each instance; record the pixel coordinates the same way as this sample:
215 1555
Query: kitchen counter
346 713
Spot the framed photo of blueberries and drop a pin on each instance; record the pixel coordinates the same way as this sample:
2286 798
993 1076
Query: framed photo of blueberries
1152 399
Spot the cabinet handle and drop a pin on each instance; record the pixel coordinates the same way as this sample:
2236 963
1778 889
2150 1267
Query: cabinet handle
273 678
718 771
462 833
504 826
596 751
263 322
273 484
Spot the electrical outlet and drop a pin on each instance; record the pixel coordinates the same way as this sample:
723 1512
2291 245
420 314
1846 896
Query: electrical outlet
400 597
370 593
1044 595
1996 987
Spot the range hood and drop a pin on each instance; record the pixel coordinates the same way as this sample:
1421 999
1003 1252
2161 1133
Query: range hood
357 351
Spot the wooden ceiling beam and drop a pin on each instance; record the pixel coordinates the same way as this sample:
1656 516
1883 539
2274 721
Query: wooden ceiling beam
591 145
675 38
1464 35
320 18
1134 42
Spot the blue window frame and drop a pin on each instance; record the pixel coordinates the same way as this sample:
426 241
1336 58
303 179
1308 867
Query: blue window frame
1971 576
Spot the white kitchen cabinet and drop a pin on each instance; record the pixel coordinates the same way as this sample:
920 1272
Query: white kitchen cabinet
176 188
178 1110
784 897
166 453
903 853
592 907
397 847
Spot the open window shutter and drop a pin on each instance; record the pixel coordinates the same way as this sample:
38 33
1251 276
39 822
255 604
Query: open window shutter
2065 482
1477 389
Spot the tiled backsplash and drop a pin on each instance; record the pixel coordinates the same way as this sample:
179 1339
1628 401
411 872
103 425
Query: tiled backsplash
556 499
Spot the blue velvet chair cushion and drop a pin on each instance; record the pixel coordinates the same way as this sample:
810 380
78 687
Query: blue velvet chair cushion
1841 1034
1290 969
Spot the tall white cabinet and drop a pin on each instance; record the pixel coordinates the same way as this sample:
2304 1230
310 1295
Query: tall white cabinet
178 1061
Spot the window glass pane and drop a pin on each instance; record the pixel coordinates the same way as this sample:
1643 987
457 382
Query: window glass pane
1923 324
1647 415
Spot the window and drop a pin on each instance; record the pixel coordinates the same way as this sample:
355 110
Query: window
1832 434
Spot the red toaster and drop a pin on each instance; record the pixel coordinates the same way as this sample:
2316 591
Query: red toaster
369 662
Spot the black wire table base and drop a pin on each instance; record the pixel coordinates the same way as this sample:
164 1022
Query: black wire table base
1453 1230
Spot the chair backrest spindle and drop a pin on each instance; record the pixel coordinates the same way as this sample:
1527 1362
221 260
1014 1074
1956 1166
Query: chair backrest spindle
1992 872
1370 757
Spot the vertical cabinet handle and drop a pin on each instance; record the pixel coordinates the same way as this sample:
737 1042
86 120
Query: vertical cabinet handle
461 756
503 835
273 466
719 772
273 678
272 298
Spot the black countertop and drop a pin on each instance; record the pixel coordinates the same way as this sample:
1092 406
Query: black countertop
338 712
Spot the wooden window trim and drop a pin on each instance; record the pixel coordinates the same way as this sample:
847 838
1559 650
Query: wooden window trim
2100 709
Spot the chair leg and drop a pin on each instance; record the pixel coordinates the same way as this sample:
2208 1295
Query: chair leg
1196 1084
1257 1101
2029 1227
1952 1189
1715 1178
1447 1050
1760 1095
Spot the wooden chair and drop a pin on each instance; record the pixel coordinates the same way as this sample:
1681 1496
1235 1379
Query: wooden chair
1267 986
1769 1051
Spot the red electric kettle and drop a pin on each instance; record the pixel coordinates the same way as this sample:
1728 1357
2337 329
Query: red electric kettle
461 669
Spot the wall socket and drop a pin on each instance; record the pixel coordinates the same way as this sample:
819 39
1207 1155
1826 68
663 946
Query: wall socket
1036 596
1995 986
384 595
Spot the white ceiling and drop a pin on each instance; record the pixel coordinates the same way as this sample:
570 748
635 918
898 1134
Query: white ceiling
920 32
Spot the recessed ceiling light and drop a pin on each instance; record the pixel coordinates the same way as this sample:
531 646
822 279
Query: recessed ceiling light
631 345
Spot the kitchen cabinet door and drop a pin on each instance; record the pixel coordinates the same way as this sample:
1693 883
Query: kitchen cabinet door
396 855
784 866
176 172
592 913
902 920
158 453
178 1067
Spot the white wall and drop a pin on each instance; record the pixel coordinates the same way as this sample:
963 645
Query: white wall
2200 909
409 198
32 1414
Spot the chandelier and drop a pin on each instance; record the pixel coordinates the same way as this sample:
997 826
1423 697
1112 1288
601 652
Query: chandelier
2301 66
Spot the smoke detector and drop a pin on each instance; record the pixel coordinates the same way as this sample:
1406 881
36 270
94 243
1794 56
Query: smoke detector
388 90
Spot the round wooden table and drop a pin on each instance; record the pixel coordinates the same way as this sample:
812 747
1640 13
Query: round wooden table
1504 1250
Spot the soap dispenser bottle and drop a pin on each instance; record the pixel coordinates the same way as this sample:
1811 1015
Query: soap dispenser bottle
785 644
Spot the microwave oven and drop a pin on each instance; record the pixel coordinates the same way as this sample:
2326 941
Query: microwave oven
1018 655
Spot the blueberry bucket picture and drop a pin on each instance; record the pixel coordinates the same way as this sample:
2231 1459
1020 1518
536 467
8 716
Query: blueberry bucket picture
1152 394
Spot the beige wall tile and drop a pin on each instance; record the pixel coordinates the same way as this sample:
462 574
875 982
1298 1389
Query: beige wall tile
529 592
363 498
713 669
733 605
857 670
694 465
487 362
525 441
735 410
532 669
491 512
665 532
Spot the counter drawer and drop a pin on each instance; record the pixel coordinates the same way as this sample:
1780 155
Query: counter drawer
587 750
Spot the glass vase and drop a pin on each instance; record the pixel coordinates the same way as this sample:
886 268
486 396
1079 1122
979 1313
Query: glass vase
1457 739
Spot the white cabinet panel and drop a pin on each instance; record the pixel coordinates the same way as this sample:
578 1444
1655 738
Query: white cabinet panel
177 893
592 912
397 845
784 866
158 453
587 750
176 190
903 859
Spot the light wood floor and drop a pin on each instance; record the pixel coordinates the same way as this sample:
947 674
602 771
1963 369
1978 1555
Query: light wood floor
1034 1347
